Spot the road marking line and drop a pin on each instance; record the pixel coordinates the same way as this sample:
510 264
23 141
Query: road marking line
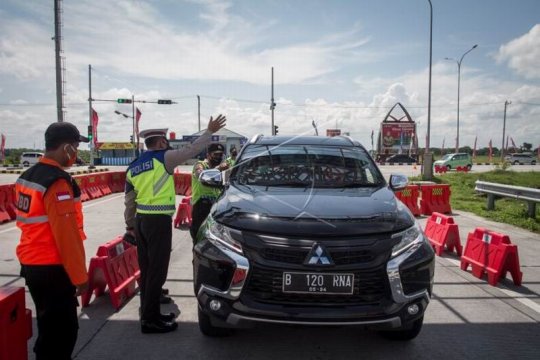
103 201
511 293
7 230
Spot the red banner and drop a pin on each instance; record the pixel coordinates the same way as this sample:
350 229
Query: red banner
3 146
95 120
137 118
397 134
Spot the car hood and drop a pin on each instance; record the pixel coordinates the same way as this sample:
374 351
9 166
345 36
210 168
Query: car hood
314 212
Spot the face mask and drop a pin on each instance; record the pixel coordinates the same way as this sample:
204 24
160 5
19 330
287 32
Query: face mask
215 160
71 159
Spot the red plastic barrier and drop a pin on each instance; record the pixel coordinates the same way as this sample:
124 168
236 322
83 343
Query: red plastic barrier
10 201
93 187
442 231
183 214
435 198
115 266
83 185
409 196
103 183
5 203
117 181
492 253
182 183
15 324
440 169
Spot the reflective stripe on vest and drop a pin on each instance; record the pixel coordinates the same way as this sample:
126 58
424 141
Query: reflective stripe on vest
33 220
153 185
200 191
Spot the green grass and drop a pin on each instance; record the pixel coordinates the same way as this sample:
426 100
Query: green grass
507 210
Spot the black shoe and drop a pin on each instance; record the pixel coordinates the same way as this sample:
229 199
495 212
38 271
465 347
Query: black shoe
157 327
165 291
164 299
167 317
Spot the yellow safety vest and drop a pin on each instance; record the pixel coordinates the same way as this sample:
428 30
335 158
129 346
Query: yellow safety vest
152 183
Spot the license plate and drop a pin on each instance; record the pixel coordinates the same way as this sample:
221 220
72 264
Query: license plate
318 283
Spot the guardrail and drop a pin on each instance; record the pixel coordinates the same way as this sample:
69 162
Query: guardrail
530 195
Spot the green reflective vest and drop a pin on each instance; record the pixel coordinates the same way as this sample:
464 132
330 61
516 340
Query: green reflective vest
200 191
152 183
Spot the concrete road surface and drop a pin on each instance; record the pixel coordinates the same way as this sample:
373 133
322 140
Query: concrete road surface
466 319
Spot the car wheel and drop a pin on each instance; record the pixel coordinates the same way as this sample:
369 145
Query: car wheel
533 162
26 163
516 162
448 168
469 167
206 327
404 334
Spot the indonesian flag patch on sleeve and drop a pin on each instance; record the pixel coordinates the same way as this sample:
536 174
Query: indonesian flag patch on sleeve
63 195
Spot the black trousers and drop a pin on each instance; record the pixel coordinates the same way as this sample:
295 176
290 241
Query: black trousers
56 310
199 212
154 240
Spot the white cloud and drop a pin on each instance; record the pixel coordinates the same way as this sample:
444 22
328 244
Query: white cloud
523 54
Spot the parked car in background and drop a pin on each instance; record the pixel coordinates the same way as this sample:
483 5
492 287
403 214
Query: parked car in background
452 161
401 159
307 231
30 158
522 159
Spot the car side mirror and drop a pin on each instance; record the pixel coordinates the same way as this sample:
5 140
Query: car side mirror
398 182
211 178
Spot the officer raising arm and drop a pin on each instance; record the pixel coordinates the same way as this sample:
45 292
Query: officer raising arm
149 205
51 249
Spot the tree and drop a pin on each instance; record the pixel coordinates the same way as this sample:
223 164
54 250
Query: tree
526 147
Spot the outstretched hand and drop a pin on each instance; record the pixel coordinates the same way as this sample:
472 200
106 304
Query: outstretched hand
216 124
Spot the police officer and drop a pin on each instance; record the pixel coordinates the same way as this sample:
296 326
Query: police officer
231 159
150 203
203 197
51 251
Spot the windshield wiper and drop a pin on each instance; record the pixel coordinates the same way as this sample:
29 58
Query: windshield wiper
360 184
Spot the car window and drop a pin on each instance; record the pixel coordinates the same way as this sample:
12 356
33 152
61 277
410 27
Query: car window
316 166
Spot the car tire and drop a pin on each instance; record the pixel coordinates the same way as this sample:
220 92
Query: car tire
206 327
448 168
26 163
516 162
406 334
533 162
469 167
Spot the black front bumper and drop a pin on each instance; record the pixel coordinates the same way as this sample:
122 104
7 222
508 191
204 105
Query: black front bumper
249 291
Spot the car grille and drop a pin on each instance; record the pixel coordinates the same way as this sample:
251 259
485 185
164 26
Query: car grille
298 256
265 285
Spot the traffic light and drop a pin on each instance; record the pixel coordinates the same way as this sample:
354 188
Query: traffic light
275 129
90 133
164 102
131 139
124 101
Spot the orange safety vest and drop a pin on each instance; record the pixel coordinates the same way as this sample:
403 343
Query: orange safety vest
37 245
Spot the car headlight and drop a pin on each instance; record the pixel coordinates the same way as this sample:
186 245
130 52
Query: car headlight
409 238
220 235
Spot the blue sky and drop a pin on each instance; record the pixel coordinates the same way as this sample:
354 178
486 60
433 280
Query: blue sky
340 63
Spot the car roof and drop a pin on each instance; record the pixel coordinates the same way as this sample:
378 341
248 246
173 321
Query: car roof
305 140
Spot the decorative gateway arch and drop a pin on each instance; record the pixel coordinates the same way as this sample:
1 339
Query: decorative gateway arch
397 135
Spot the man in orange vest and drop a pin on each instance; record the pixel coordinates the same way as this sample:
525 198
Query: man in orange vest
51 252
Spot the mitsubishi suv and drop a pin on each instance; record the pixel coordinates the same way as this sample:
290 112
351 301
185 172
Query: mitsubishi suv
308 232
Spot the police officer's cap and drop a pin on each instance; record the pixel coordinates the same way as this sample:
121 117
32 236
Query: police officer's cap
215 147
148 133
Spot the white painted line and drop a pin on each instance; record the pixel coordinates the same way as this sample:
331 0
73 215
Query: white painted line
511 293
7 230
101 202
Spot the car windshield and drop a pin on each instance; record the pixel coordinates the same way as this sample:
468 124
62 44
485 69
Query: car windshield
306 166
447 157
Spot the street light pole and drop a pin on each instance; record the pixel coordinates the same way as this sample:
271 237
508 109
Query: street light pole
427 168
506 103
132 122
458 90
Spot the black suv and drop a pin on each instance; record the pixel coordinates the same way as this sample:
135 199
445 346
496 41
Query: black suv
307 231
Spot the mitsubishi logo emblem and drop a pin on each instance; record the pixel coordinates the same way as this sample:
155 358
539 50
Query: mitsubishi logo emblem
318 256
